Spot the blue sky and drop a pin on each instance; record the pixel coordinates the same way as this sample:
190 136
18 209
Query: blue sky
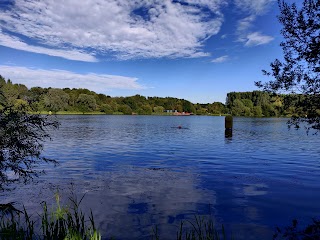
198 50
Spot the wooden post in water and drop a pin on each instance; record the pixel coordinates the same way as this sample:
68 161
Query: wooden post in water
228 123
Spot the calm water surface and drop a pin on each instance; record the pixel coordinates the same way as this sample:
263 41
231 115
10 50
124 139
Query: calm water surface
142 171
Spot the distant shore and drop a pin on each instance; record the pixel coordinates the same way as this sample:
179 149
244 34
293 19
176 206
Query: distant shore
118 113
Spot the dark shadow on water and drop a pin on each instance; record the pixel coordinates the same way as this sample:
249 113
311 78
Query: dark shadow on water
309 232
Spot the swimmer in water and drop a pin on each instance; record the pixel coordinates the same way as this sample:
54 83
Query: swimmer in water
180 127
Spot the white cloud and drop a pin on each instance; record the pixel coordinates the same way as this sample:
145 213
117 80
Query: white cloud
166 29
253 8
65 79
256 38
16 43
221 59
244 25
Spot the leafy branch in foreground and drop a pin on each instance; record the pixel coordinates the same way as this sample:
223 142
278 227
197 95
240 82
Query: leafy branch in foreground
299 72
21 144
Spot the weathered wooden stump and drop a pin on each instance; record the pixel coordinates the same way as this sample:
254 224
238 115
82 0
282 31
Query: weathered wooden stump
229 122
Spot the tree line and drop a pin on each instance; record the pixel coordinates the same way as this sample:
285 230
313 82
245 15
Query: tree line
38 99
266 104
249 104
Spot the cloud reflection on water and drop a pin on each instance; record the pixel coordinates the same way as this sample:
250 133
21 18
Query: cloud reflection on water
143 197
128 202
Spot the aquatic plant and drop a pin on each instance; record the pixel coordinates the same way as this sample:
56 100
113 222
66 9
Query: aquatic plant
198 229
61 223
70 223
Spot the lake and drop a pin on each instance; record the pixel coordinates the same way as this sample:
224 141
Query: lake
141 171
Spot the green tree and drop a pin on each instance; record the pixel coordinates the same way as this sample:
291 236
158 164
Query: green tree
248 103
125 109
188 107
202 111
56 100
257 111
10 92
2 82
106 108
178 107
73 96
216 108
299 72
21 104
35 98
21 143
130 101
113 104
238 108
101 99
268 110
158 109
86 103
22 91
145 109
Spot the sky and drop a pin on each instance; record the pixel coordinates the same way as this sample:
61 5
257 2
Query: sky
198 50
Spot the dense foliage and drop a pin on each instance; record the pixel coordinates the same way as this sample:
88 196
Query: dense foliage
55 100
249 104
299 71
21 137
264 104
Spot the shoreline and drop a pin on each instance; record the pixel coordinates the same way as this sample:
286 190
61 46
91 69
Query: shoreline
153 114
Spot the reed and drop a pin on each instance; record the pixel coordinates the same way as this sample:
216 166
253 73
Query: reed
70 223
198 229
61 223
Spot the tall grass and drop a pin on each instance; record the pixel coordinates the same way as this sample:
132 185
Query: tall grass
199 229
61 223
70 223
